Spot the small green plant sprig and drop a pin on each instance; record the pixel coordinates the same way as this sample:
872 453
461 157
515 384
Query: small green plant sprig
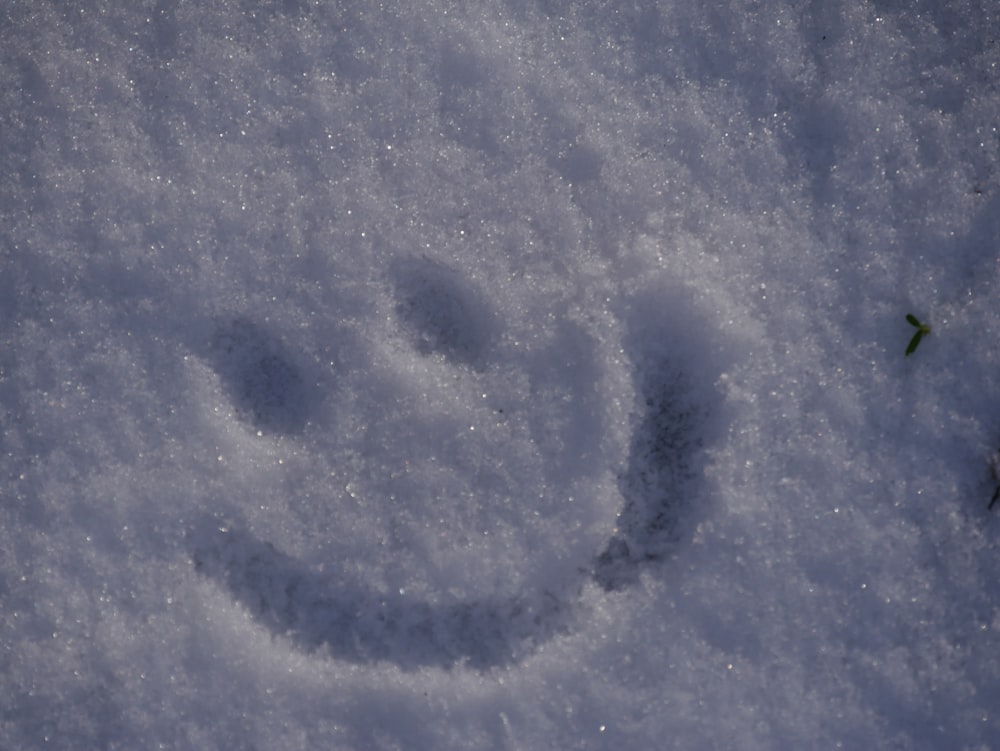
922 328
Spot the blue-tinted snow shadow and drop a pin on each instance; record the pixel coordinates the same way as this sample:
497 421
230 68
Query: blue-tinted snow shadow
676 362
262 377
318 611
442 312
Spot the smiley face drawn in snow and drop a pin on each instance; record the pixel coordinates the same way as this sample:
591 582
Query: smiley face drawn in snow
467 453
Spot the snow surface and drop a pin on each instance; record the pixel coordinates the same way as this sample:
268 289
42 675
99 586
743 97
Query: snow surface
506 375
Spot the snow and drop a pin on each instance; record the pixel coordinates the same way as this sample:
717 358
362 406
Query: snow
527 375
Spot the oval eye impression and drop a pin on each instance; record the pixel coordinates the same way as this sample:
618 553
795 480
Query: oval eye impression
265 386
442 312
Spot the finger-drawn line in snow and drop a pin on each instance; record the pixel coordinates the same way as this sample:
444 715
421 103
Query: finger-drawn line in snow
654 484
320 611
665 459
316 612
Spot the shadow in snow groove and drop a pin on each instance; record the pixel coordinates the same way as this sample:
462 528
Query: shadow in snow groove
661 483
265 385
317 613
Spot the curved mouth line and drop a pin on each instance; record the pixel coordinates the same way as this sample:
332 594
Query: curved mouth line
350 623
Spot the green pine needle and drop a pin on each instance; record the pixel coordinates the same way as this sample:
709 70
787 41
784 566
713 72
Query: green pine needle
922 328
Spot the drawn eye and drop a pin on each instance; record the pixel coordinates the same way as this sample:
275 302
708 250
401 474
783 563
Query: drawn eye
442 313
264 384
